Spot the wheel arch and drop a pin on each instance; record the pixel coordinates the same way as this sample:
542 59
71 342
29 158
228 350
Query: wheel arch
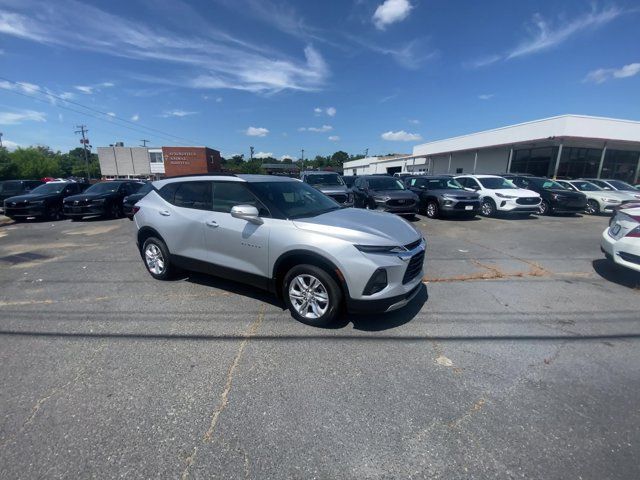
147 232
289 259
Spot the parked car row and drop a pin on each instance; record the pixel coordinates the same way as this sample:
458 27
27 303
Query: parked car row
76 200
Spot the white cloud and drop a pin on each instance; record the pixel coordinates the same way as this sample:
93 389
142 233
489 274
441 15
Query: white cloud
334 138
20 116
317 110
414 121
218 99
60 117
177 113
91 89
323 128
603 74
286 157
256 132
486 96
391 11
263 155
135 117
9 145
331 111
215 59
411 55
86 89
401 136
111 114
67 95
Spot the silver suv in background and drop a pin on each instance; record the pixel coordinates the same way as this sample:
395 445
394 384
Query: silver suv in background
282 235
331 184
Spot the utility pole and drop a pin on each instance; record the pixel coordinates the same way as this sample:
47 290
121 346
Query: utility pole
251 153
0 139
84 141
366 152
144 142
302 158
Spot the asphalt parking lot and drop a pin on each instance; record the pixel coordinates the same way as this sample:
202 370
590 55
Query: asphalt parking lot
520 359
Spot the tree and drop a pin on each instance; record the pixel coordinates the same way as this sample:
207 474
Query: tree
339 158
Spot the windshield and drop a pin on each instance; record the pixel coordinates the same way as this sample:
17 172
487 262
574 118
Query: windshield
146 188
586 186
544 183
496 183
618 185
385 183
294 199
49 188
107 187
436 183
329 179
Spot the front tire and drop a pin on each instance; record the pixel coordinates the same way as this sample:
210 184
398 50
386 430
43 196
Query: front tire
114 211
545 208
432 210
53 213
311 295
488 208
593 208
155 255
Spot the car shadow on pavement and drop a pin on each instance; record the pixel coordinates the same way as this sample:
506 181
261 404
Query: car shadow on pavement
616 274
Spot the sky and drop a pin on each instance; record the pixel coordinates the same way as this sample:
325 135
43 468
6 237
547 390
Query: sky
283 75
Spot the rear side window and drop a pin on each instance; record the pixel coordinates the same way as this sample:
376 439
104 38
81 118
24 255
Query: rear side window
169 191
11 187
227 195
196 195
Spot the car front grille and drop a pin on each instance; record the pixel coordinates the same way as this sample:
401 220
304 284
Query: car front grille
414 267
401 202
528 201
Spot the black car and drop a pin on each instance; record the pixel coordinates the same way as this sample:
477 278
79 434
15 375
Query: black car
12 188
384 193
129 201
44 201
349 180
443 195
331 184
102 199
555 197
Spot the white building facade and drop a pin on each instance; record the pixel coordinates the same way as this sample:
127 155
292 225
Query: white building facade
572 146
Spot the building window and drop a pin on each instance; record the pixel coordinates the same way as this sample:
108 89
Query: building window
155 157
577 162
535 161
620 164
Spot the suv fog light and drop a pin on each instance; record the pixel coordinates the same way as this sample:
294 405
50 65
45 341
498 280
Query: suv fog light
376 283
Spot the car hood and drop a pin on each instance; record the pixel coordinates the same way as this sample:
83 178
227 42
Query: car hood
363 227
32 197
622 196
454 193
393 193
565 193
88 196
329 189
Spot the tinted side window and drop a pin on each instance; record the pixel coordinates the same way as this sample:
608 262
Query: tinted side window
168 191
195 195
11 187
227 195
463 182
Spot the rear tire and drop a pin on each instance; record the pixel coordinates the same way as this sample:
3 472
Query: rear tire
155 256
114 211
53 213
311 295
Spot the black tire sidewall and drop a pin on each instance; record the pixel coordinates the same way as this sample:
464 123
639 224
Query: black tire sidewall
547 208
168 271
333 290
596 207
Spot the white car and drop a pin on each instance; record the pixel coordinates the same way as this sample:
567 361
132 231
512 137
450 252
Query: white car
498 194
621 241
598 199
612 185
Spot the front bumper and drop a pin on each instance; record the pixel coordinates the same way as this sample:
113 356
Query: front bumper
25 211
562 207
624 252
408 208
383 305
512 205
460 207
83 210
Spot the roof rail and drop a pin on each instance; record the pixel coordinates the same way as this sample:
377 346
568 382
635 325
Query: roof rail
215 174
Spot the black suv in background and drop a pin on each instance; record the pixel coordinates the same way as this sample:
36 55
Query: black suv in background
349 180
11 188
555 197
44 201
443 195
331 184
130 201
381 192
102 199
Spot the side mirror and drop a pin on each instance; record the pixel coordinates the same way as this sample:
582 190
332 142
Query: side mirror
248 213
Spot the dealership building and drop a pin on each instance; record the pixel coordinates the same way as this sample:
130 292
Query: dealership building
119 162
565 146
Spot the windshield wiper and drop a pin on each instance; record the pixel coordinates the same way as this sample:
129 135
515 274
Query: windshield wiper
315 214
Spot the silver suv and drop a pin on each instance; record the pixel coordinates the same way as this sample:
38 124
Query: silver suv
282 235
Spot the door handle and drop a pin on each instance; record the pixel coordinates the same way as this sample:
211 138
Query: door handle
164 213
212 224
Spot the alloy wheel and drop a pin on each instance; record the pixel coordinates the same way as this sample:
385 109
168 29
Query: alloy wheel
154 259
487 209
308 296
592 207
431 210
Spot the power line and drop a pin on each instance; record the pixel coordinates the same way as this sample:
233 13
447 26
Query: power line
105 114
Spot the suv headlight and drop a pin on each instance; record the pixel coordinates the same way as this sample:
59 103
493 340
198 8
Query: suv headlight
382 198
610 200
380 249
502 195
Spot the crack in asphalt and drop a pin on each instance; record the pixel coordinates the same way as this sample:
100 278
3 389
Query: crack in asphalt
224 396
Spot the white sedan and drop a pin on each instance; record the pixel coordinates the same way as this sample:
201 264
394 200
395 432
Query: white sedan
598 199
621 241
